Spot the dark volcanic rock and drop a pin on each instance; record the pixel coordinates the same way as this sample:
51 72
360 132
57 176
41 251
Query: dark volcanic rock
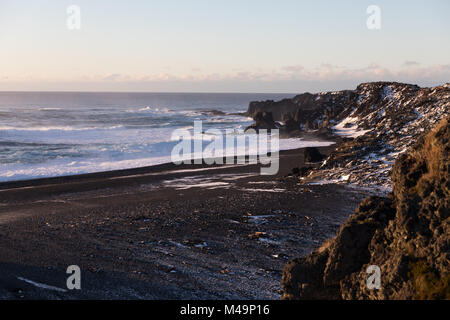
312 154
407 235
301 172
290 125
263 120
278 109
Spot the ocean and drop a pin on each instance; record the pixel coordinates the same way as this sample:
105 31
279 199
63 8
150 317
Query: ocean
47 134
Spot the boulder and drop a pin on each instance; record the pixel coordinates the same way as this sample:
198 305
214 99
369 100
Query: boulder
312 154
290 125
263 120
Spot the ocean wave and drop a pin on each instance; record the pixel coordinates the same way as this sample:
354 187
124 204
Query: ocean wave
212 112
155 110
230 119
57 128
157 153
49 109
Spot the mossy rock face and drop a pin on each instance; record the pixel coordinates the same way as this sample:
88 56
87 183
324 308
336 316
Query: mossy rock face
406 235
427 282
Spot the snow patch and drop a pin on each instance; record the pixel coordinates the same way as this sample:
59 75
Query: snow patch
349 128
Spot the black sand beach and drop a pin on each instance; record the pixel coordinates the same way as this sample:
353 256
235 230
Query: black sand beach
164 232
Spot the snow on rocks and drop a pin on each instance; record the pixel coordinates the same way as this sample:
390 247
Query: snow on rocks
377 122
388 119
348 128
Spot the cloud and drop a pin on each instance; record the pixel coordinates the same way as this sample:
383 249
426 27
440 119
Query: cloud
294 78
410 63
293 69
113 77
414 72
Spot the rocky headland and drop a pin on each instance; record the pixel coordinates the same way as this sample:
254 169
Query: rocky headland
375 123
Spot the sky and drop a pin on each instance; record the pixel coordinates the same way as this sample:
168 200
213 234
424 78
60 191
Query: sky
220 46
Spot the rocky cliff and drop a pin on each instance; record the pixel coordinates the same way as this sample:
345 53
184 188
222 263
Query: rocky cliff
378 122
406 235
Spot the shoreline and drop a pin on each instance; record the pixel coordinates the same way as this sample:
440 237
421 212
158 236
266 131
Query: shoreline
162 167
166 166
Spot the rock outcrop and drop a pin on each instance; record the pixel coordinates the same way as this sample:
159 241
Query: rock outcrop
378 121
312 154
263 120
406 235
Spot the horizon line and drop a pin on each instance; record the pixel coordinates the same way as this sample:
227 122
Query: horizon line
219 92
164 92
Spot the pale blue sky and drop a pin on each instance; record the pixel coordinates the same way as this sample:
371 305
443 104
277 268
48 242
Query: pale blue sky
221 46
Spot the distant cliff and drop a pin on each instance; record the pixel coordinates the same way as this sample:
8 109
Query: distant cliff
378 121
406 235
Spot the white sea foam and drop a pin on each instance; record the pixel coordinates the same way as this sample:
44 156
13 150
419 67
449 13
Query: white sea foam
50 109
158 153
263 190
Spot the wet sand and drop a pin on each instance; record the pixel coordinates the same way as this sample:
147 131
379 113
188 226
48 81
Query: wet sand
164 232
